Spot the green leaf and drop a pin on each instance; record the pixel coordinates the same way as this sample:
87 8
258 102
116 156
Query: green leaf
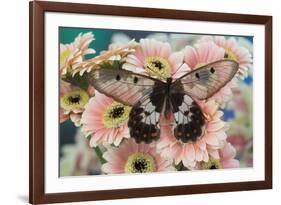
77 80
99 154
116 64
181 167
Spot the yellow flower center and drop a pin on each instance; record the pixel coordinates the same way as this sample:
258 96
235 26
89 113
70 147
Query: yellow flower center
212 164
74 100
64 56
158 66
229 54
140 163
116 115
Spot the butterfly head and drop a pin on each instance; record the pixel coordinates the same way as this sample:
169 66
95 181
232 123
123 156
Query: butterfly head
169 81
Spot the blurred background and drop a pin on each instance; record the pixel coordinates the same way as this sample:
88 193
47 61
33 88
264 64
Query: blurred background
77 158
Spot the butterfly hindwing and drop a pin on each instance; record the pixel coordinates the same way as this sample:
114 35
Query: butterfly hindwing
145 115
188 117
122 85
205 81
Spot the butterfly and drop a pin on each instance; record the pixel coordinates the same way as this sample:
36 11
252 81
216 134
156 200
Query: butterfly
151 98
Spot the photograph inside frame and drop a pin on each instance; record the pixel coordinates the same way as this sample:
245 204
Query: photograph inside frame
143 101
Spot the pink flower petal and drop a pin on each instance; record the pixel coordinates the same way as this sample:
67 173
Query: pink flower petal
112 132
214 153
176 153
190 152
166 50
117 157
228 151
212 139
231 163
190 57
221 135
201 144
63 117
179 72
205 156
176 59
97 137
215 126
198 154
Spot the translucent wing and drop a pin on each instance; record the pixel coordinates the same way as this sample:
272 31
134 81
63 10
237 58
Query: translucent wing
204 82
122 85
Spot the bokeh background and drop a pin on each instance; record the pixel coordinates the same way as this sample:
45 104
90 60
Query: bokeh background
77 158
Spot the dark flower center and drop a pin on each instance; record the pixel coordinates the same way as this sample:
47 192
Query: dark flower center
117 112
213 167
212 164
157 64
140 165
74 99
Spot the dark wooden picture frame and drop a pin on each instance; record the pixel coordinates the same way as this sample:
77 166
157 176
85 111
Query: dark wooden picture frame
37 101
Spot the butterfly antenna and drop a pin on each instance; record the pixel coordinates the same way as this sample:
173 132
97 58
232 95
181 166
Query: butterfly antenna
177 69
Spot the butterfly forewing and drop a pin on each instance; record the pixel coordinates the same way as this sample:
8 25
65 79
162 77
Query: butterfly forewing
123 86
205 81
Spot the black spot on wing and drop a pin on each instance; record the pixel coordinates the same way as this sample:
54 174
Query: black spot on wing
136 80
118 77
197 75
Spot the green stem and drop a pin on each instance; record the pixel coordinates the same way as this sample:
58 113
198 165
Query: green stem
99 154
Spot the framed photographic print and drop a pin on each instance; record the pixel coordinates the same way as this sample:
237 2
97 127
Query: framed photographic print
138 102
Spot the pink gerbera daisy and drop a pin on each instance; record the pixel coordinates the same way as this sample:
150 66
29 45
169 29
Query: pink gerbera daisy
205 53
224 160
131 157
212 136
155 58
115 52
72 101
73 53
234 52
105 120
